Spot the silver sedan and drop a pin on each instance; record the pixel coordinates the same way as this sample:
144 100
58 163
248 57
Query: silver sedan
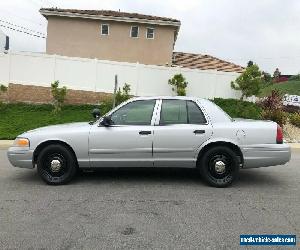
181 132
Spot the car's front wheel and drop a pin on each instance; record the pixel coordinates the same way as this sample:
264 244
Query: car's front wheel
219 166
56 164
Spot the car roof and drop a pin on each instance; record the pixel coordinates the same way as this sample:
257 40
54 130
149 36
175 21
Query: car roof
166 97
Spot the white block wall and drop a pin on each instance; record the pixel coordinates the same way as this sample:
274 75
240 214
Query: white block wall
98 75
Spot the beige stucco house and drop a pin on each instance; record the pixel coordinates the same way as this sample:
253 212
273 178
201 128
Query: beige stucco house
124 37
111 35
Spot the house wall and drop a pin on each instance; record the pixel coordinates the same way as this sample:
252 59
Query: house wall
82 38
94 79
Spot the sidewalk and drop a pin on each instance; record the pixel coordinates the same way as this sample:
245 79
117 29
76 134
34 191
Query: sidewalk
5 144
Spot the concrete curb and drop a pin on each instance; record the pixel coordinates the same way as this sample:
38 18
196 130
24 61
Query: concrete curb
5 144
294 145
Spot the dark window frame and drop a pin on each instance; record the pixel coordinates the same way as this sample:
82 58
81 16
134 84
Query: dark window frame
104 34
153 33
138 31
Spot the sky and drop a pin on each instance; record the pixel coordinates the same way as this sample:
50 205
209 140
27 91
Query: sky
264 31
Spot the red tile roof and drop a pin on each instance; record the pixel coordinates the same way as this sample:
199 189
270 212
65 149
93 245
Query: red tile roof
204 62
110 13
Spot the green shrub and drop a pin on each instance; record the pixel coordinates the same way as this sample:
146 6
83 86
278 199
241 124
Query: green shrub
238 108
3 88
179 84
123 95
106 106
295 119
250 81
59 95
17 118
276 115
295 78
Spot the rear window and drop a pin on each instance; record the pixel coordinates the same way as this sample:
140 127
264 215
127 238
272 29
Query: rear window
195 115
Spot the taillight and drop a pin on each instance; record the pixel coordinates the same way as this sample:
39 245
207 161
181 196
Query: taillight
279 136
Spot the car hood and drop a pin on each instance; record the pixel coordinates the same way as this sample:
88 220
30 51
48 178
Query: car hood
59 128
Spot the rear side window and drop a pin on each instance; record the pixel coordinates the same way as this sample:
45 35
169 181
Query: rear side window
180 112
173 112
195 115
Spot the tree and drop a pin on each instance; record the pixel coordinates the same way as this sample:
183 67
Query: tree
276 73
3 88
59 95
250 82
267 77
123 95
250 63
179 84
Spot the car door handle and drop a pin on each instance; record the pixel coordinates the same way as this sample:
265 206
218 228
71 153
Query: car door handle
199 131
144 132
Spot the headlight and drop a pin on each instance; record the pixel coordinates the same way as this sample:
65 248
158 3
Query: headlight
21 142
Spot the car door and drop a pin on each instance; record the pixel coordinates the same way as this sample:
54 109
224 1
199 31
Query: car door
128 141
178 133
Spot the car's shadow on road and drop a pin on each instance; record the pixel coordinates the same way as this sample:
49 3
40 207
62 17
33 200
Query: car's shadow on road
153 176
170 175
140 175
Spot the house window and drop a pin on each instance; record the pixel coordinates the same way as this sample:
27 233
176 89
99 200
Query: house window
104 29
134 32
150 33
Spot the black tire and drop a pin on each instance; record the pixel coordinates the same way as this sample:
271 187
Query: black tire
219 166
56 164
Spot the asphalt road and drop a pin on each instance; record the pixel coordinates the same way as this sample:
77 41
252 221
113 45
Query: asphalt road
146 209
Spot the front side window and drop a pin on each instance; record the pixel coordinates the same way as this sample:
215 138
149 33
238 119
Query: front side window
134 113
181 112
134 32
150 33
104 29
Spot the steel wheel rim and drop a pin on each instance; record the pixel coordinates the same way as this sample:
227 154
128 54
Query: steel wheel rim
55 166
220 166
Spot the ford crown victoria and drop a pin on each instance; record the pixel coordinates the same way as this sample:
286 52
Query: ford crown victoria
157 132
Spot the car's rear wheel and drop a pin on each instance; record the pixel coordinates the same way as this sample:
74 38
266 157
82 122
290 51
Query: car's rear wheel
219 166
56 164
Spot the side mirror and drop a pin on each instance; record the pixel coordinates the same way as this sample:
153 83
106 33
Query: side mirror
106 122
96 113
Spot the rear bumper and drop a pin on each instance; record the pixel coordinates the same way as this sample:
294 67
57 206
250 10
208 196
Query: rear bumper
264 155
19 157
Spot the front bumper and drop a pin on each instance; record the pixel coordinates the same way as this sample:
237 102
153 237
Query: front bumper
264 155
20 157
